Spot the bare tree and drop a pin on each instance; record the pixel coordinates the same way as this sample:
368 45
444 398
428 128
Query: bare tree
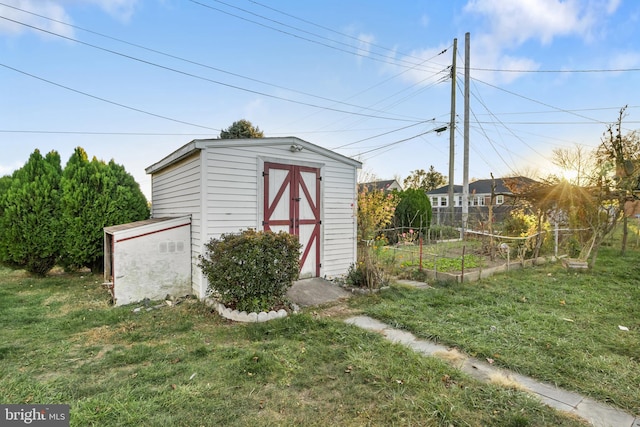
618 158
578 161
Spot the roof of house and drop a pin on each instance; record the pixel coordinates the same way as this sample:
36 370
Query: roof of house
143 223
381 185
201 144
483 186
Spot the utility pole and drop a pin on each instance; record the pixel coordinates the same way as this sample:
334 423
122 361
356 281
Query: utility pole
465 166
452 131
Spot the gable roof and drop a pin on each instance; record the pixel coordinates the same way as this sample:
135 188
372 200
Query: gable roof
483 186
389 184
201 144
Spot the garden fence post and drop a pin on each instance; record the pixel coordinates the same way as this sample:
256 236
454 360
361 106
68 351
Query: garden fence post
556 241
421 254
435 267
462 276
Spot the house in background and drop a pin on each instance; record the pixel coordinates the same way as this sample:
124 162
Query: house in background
388 185
479 200
278 184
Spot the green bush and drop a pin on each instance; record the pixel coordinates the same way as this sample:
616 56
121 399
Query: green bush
253 270
95 195
30 232
444 232
366 275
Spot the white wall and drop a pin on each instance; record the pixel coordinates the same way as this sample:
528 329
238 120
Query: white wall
175 191
235 197
152 266
221 188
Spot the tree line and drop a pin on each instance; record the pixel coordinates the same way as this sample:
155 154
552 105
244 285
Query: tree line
50 215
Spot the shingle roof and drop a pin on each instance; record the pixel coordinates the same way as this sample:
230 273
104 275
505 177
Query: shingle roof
378 185
482 186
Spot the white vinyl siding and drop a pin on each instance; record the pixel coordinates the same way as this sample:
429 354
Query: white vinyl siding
175 191
339 219
234 198
221 187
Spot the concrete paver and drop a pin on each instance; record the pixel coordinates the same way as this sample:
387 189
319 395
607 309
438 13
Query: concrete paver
596 413
315 291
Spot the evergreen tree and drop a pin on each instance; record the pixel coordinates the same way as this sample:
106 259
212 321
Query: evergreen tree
413 210
30 232
95 195
241 129
128 203
5 183
82 224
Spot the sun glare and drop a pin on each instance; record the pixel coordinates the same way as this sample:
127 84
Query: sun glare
569 175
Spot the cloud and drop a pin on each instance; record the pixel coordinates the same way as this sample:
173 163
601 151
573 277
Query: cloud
424 20
624 60
431 65
56 10
120 9
8 169
50 9
488 55
364 43
513 22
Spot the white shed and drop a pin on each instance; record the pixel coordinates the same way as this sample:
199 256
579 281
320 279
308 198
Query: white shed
148 259
278 184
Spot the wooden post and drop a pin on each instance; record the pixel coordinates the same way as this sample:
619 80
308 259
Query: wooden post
463 250
421 254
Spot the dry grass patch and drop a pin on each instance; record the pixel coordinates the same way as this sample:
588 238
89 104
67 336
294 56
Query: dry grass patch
503 380
452 356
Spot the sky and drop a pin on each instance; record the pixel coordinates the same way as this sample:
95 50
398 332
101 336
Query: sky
134 80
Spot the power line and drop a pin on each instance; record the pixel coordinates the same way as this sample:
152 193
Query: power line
330 29
539 102
73 132
106 100
393 62
379 135
503 124
201 77
478 152
602 70
388 106
507 113
397 142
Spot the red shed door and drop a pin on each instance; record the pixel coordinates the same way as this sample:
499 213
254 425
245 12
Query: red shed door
292 204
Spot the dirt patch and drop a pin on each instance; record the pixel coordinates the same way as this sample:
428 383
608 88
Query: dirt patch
339 309
98 336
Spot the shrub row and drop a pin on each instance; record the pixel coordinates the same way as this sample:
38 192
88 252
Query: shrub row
50 215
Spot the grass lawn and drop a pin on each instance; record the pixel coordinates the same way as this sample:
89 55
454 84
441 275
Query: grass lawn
184 366
546 322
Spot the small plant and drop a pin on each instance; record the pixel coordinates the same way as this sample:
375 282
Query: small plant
366 274
253 270
442 232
